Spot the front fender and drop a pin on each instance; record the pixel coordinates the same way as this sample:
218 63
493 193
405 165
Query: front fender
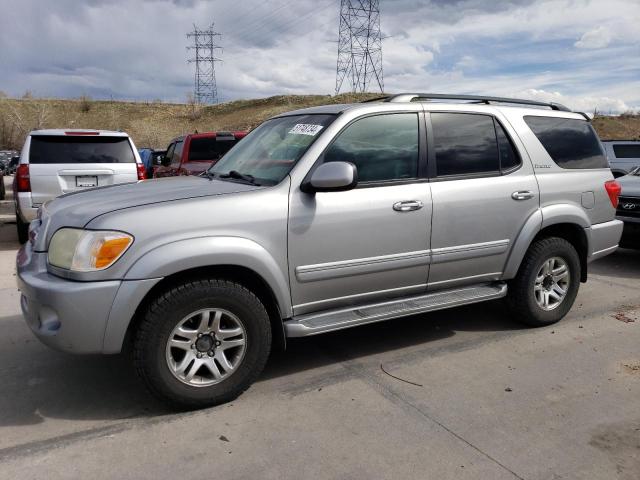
200 252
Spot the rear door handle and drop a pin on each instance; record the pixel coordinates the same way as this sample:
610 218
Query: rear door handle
408 206
522 195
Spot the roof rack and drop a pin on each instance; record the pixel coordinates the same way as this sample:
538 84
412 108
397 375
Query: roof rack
411 97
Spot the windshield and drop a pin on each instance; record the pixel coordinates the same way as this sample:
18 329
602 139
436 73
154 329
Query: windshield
270 151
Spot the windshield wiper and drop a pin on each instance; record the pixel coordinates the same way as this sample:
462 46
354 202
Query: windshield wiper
240 176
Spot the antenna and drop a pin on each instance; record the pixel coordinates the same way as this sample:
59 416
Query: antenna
204 45
359 46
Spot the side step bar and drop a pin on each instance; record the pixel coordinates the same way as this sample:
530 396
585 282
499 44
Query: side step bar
328 321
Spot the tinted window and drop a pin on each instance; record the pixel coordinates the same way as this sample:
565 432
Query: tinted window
384 147
627 151
208 149
509 157
570 143
177 154
464 144
79 149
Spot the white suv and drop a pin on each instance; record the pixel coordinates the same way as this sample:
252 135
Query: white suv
55 162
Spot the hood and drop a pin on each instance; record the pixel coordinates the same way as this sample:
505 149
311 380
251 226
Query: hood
630 185
79 208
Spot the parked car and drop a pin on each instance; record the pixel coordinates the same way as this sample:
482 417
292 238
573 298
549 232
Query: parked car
194 153
623 155
55 162
319 220
3 192
13 165
156 161
629 208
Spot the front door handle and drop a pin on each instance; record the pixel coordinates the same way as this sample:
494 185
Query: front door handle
522 195
408 206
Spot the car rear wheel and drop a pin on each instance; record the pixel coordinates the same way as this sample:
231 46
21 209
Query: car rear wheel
202 343
546 284
23 229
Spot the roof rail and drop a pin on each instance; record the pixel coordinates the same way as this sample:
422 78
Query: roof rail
410 97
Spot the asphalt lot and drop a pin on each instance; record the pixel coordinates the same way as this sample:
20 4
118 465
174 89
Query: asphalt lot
489 399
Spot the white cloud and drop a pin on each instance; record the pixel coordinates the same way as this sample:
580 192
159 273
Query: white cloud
136 48
597 38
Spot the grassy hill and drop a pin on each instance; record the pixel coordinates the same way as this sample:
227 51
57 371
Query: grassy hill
155 123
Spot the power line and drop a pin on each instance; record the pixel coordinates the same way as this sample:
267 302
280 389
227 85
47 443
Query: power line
359 45
204 48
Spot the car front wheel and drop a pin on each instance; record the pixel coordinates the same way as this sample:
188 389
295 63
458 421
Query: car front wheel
202 343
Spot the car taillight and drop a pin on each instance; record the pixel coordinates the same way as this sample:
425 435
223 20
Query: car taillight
142 173
23 182
613 190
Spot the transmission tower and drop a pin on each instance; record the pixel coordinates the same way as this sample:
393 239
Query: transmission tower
360 46
204 48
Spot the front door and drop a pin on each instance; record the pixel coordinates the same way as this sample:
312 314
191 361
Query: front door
483 193
371 242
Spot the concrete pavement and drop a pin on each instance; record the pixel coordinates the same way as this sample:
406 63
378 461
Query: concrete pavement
488 399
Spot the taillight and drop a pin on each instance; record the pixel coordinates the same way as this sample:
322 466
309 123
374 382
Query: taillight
23 182
613 190
142 173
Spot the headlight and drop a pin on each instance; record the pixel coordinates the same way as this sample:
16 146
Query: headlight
87 250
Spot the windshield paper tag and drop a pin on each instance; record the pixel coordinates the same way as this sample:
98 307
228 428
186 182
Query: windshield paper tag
305 129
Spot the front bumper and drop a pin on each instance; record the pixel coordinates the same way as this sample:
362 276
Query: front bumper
631 232
65 315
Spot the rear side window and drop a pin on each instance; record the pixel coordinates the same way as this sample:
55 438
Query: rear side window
382 147
569 142
208 149
627 151
464 144
80 149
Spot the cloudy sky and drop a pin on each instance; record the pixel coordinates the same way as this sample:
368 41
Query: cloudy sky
584 53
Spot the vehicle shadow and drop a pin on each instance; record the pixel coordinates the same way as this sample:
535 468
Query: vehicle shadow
60 386
624 263
38 383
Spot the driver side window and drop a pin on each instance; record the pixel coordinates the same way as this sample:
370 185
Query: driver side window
382 147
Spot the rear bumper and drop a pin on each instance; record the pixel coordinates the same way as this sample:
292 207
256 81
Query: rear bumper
24 207
605 238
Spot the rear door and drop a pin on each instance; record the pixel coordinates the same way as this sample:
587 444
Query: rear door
61 164
483 193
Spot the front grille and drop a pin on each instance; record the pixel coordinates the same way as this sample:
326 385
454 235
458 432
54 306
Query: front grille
629 207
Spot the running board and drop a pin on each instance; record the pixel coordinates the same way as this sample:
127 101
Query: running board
328 321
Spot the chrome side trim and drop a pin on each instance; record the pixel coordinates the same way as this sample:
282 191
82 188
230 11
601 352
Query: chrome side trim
360 266
464 252
483 277
338 319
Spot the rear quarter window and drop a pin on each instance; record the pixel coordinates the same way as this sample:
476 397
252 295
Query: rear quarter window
77 149
571 143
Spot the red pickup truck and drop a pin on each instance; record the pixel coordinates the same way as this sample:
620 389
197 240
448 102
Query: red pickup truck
192 154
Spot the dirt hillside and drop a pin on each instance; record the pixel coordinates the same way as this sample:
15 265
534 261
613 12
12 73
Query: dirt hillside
155 123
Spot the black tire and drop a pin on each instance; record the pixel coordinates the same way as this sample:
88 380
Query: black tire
168 310
521 299
23 229
3 191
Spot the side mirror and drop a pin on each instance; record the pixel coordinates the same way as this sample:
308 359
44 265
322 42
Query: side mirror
165 161
332 177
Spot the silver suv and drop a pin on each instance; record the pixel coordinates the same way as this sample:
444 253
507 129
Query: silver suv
54 162
319 220
623 155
